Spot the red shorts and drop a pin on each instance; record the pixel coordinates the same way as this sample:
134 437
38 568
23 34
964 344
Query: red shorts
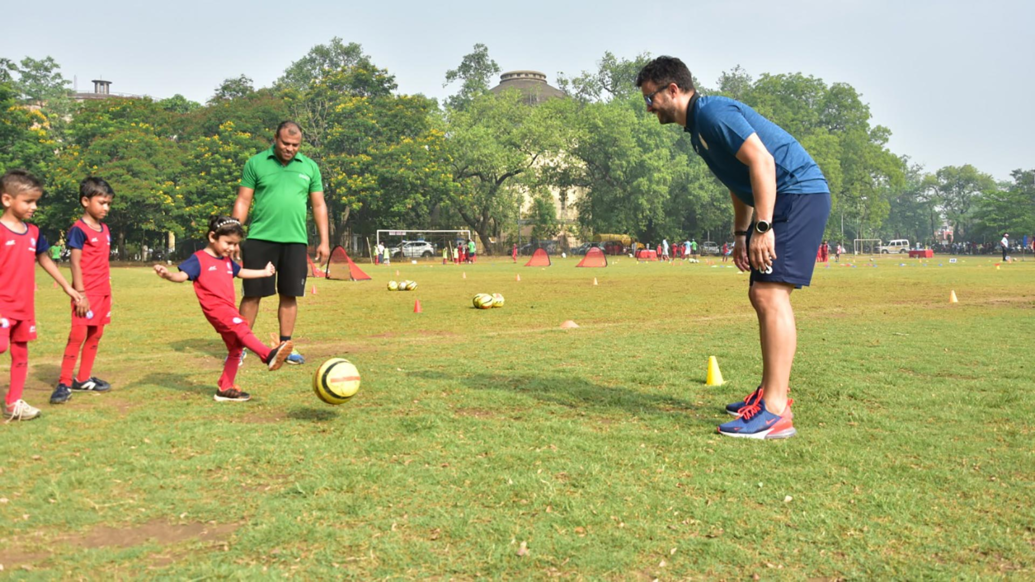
23 330
225 319
99 313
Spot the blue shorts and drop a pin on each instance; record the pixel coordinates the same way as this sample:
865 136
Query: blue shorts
798 224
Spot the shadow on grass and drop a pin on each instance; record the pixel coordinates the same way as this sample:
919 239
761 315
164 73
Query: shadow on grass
579 394
171 381
47 373
313 414
214 348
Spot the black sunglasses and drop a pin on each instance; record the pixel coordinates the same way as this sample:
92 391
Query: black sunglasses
649 99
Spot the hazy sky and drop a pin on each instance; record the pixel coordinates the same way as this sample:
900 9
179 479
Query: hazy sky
953 80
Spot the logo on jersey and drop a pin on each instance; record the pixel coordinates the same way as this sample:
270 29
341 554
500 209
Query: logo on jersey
768 270
238 321
89 314
32 329
703 143
304 177
9 243
93 239
212 268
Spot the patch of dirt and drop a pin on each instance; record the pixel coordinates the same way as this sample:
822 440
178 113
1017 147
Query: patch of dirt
385 335
158 532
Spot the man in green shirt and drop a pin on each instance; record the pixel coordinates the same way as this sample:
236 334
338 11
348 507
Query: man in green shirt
279 181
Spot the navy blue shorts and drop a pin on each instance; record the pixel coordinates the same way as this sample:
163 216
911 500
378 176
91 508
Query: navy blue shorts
798 224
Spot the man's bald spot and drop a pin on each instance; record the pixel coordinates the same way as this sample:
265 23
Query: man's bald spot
289 128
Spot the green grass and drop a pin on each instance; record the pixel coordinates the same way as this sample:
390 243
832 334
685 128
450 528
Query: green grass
476 432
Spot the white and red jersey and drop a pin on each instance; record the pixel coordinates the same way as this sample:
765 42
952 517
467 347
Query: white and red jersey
214 285
18 251
96 248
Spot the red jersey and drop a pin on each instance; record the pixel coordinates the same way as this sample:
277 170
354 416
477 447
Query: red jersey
18 251
96 248
213 283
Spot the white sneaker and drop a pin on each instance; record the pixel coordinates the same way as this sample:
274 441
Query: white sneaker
20 410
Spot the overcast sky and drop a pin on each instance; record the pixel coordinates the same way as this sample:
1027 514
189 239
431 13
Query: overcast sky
953 80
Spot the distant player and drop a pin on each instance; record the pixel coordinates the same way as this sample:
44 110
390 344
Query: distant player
21 247
89 242
213 274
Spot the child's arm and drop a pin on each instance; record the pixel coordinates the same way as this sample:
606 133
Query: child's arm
177 277
77 282
48 265
269 271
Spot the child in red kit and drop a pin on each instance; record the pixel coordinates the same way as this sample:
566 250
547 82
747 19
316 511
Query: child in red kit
213 274
90 244
21 247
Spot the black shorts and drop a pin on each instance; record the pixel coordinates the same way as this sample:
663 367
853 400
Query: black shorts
290 260
798 224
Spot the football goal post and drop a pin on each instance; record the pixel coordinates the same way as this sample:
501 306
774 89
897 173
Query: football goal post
421 244
866 246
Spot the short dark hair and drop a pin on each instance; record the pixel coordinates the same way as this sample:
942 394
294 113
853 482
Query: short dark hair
91 186
222 225
663 71
15 182
291 127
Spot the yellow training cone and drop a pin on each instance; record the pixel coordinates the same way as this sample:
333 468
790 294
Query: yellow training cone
714 375
465 274
952 297
594 280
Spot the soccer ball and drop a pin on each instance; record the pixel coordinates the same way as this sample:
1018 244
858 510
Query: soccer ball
393 286
411 285
483 301
497 300
336 380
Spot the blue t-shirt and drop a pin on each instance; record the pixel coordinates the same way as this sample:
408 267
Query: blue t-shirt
719 126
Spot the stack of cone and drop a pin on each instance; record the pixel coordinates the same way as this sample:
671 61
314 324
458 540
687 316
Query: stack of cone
417 308
952 297
714 375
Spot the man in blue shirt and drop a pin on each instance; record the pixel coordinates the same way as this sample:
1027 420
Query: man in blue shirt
771 176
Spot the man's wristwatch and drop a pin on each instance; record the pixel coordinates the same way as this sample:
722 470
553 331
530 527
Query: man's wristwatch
763 226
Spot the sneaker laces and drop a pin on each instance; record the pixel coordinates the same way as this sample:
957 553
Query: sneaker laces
17 411
756 396
751 410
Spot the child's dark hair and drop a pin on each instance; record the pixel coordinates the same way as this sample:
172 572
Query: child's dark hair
91 186
15 182
224 226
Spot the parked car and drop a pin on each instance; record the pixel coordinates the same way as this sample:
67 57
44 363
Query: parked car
584 248
710 248
898 245
413 249
551 247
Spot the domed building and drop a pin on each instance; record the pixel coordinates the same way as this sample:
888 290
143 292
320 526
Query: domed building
531 84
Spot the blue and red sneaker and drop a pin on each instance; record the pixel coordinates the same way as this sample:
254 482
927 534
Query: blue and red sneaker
752 398
756 422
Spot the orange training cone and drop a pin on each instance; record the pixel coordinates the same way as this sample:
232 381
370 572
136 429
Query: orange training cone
518 278
952 297
314 289
714 375
417 308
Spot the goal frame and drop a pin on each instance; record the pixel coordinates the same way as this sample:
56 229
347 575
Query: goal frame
859 246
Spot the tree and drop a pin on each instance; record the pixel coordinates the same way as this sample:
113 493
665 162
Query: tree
475 73
494 141
179 104
26 139
233 88
40 81
956 190
1010 207
614 79
337 58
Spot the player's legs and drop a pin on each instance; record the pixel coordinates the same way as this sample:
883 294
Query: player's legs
93 340
287 313
779 340
76 337
233 360
291 280
19 371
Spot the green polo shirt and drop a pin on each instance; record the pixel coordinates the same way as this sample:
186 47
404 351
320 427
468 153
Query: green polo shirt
281 191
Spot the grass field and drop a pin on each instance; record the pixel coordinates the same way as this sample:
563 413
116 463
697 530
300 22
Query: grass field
494 444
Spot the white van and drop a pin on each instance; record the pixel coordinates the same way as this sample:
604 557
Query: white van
898 245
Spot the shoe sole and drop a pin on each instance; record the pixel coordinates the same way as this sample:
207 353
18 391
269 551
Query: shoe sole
293 363
282 355
763 434
90 389
219 398
20 418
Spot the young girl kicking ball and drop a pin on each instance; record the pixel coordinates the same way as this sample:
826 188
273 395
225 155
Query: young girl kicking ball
213 274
